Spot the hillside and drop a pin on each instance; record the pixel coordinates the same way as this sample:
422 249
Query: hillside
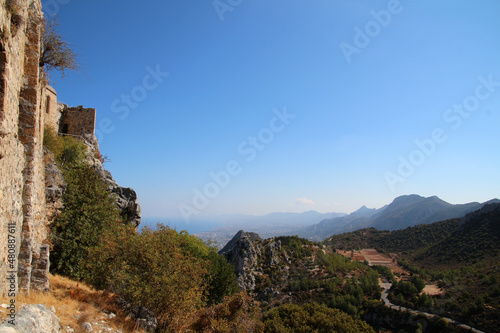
403 241
475 236
293 270
460 255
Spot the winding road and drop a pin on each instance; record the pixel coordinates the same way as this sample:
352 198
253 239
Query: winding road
386 286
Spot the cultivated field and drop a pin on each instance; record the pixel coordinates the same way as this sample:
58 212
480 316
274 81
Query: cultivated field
373 257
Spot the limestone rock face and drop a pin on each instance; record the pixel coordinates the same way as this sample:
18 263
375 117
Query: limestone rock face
243 252
126 197
273 249
33 318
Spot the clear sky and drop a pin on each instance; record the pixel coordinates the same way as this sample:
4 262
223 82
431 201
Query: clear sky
239 106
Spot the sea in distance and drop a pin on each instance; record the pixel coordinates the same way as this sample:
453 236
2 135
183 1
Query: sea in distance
192 227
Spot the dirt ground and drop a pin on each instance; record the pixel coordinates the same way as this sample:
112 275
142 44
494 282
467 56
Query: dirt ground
432 290
375 258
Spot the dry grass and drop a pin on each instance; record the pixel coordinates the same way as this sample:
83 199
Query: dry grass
70 298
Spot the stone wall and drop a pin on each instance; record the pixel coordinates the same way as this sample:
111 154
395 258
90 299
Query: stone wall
53 110
22 184
77 121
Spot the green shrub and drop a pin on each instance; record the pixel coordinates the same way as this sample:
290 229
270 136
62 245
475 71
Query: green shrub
221 278
68 151
172 274
89 211
52 142
311 317
73 153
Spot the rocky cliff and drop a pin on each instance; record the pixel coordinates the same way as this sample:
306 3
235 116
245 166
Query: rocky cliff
256 260
126 197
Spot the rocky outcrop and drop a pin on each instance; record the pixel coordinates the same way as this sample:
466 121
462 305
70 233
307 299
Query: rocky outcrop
145 319
33 318
126 197
272 254
242 252
257 260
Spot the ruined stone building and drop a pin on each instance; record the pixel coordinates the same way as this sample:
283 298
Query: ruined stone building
31 185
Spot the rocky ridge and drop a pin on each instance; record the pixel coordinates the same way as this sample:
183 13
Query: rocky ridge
253 258
126 197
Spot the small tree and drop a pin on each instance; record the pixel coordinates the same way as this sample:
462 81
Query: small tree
89 211
57 53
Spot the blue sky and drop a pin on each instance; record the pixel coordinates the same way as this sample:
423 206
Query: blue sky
293 105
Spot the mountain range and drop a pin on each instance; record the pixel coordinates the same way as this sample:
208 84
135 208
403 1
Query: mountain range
404 211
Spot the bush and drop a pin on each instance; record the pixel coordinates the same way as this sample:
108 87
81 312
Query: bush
418 283
238 313
311 317
170 273
221 279
52 142
68 151
89 211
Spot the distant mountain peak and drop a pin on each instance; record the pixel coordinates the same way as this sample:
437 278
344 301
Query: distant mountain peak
362 209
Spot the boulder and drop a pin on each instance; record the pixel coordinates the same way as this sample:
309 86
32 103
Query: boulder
35 318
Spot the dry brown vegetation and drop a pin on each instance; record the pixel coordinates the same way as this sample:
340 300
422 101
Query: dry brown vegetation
70 298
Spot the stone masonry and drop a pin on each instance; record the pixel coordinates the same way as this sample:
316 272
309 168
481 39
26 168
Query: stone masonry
77 121
31 185
22 190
